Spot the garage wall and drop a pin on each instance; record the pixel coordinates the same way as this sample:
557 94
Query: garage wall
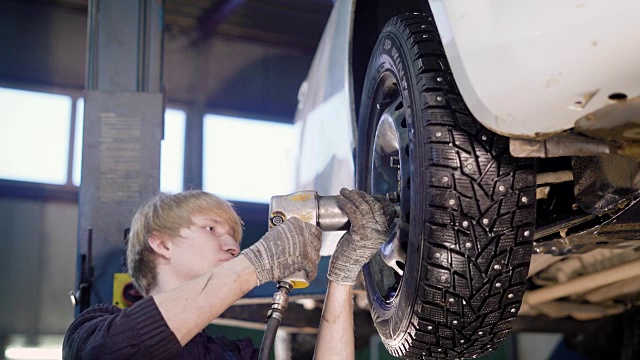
45 46
37 263
42 45
234 77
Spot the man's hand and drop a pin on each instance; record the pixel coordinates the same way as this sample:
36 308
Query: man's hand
289 247
370 218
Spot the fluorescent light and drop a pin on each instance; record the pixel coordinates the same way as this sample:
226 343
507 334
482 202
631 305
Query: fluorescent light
27 353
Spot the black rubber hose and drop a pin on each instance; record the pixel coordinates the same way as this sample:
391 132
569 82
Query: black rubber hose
269 337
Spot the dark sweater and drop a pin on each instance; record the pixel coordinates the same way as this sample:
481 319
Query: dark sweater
140 332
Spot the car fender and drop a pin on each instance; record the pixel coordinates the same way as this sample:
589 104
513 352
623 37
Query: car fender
325 130
534 68
325 119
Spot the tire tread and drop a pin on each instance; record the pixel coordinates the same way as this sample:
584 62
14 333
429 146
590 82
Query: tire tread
465 298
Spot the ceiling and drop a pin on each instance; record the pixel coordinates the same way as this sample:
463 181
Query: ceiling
294 24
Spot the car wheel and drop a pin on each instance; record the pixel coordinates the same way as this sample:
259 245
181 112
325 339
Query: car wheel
450 280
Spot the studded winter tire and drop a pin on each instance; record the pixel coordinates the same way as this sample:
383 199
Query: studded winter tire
451 278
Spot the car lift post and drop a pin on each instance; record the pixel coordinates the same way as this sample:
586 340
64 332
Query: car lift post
123 128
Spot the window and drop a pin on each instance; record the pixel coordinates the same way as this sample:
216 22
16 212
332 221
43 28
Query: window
172 151
77 142
247 160
34 136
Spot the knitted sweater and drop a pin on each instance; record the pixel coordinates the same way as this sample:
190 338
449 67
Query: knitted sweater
140 332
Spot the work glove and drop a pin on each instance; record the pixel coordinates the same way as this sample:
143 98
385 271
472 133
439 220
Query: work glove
370 218
289 247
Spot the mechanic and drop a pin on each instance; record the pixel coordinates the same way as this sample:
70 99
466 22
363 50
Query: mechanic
183 255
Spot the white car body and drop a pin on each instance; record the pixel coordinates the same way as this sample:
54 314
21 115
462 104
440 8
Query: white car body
526 69
325 119
533 68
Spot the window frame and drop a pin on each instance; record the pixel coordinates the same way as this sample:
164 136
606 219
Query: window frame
193 152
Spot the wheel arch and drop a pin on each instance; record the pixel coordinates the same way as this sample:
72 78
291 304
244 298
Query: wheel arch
369 19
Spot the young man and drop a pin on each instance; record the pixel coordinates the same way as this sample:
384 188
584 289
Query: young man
184 256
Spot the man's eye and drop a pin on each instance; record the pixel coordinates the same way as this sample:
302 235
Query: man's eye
210 228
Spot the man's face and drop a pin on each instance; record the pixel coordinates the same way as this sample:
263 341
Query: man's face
202 247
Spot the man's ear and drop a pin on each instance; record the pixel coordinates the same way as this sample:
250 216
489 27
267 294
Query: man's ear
160 245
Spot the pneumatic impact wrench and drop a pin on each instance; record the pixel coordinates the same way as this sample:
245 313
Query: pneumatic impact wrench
308 206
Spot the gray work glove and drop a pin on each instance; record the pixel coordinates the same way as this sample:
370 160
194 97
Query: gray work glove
289 247
370 218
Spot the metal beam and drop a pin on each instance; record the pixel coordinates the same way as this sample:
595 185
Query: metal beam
125 46
214 16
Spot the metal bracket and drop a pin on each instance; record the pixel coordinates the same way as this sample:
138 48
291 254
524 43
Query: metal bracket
618 232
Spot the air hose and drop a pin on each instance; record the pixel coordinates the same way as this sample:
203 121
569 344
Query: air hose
274 318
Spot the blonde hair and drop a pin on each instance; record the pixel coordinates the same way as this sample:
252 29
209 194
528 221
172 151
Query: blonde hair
165 215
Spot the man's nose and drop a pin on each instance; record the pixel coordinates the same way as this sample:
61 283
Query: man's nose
232 247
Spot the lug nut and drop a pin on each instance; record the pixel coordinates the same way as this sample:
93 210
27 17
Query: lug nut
393 197
394 161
